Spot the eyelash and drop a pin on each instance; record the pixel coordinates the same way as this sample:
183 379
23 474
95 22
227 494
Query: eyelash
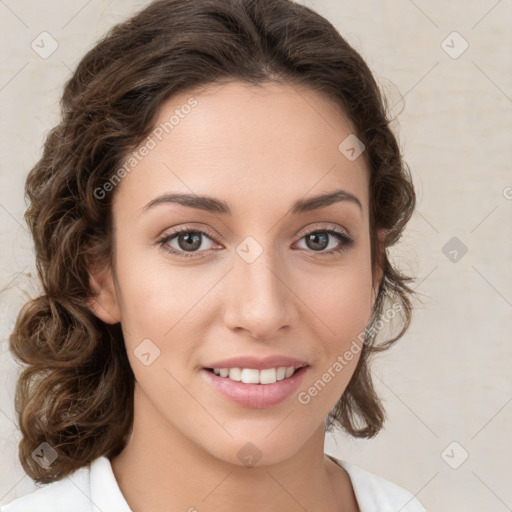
347 242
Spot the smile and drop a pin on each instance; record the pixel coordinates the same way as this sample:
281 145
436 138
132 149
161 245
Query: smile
255 389
253 376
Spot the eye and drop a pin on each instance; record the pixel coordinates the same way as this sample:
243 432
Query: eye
187 242
318 240
183 241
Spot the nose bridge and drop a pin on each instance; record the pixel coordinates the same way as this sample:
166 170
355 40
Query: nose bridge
260 301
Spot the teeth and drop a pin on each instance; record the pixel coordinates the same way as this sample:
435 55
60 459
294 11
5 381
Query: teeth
234 374
251 376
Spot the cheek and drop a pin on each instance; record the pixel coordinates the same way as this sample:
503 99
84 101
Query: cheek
160 300
165 304
340 311
340 298
154 295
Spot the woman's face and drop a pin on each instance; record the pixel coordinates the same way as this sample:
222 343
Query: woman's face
244 280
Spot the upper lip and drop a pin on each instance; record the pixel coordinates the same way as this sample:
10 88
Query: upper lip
258 363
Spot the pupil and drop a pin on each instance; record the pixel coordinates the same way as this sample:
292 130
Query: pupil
192 239
317 238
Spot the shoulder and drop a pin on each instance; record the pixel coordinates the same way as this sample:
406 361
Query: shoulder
88 489
70 493
376 494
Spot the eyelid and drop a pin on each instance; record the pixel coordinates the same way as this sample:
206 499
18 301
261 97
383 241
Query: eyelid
315 226
308 229
186 227
345 239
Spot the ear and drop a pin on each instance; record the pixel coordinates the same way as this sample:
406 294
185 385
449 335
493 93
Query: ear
379 271
104 303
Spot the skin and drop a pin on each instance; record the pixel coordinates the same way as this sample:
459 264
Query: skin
259 149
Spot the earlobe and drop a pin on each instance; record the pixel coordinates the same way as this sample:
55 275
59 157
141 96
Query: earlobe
104 302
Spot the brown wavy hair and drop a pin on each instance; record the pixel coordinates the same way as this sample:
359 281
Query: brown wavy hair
76 388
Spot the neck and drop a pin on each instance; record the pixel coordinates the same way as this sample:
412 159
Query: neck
160 469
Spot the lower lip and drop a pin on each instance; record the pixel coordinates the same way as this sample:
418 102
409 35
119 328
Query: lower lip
256 396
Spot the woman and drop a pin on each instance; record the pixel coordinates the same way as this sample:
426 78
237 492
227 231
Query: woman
211 218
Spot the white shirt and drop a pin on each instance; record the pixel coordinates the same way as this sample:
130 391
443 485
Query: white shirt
93 488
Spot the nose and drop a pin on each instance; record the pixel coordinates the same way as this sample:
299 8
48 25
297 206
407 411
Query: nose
259 298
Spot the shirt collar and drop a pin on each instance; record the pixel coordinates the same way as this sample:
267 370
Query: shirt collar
106 495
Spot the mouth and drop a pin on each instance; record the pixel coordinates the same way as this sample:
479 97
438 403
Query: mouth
256 389
264 377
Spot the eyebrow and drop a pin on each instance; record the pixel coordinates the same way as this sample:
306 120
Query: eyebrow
211 204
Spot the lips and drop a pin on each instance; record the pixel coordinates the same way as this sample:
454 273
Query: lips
257 363
255 396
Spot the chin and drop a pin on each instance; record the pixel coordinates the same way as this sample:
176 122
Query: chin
261 445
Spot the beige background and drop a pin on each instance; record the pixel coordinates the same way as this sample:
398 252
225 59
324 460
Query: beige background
448 380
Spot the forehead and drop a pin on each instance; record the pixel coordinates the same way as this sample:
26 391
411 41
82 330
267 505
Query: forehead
272 143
